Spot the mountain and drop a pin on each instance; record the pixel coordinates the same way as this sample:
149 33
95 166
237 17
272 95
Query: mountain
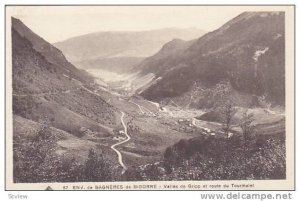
48 91
247 54
51 54
121 44
169 51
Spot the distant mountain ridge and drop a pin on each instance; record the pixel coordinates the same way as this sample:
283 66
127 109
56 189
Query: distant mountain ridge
248 52
122 44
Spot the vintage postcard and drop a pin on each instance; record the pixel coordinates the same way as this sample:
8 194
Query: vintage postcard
149 97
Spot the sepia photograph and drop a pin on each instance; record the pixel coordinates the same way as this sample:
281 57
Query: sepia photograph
149 97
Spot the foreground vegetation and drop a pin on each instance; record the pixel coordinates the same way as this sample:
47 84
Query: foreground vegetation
201 158
210 158
35 160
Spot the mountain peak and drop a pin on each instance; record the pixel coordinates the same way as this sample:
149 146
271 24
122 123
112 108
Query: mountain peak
227 53
176 42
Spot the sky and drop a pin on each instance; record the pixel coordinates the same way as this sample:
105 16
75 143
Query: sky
57 23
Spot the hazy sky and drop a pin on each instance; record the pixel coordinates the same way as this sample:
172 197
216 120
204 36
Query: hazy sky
57 23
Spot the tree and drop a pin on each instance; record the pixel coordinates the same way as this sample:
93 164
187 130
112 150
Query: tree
154 173
71 170
228 112
97 168
220 94
247 127
31 156
133 173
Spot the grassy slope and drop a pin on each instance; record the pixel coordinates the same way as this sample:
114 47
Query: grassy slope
65 145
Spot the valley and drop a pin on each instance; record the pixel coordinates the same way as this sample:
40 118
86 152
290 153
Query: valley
147 123
181 110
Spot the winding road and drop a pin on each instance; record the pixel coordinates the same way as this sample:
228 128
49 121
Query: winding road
211 132
143 109
44 93
138 106
194 123
156 104
119 143
113 147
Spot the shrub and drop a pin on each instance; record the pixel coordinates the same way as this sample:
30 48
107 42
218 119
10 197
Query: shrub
207 158
97 168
